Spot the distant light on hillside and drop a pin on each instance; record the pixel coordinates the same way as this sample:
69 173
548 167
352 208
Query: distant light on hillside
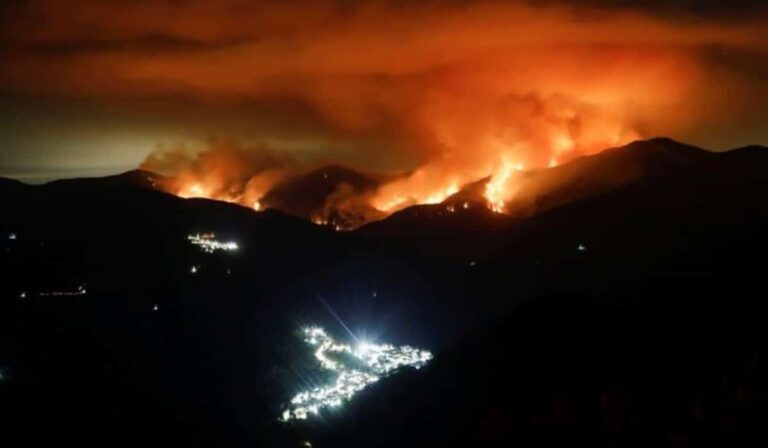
80 291
208 244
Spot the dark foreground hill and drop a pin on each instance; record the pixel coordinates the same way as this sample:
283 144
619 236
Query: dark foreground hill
646 333
629 316
571 369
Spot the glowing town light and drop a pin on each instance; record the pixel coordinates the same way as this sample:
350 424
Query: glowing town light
23 295
155 308
257 206
11 236
363 348
372 362
193 270
80 291
581 248
209 245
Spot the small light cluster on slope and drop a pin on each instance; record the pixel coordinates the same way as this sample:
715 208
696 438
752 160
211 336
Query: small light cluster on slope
208 244
80 291
371 362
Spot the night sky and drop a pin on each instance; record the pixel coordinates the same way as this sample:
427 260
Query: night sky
90 87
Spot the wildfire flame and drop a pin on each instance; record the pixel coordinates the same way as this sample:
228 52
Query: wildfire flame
431 184
476 140
193 191
497 190
524 134
451 92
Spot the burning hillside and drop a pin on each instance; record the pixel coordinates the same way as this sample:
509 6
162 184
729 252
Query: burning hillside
524 135
343 198
439 106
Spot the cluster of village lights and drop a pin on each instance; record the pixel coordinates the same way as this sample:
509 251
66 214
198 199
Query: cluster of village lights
207 243
355 368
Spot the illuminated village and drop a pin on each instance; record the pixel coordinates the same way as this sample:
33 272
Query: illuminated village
372 362
207 243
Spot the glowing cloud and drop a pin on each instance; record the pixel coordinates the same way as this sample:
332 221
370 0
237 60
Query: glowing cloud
441 93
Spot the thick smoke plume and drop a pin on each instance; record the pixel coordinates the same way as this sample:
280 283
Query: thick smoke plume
224 170
446 92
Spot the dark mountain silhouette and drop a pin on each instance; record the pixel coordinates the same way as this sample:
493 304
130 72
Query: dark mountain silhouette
541 190
570 369
626 315
655 343
448 229
134 178
7 185
318 194
123 221
587 176
12 192
107 356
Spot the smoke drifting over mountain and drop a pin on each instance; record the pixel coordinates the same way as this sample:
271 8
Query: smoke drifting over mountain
224 170
449 91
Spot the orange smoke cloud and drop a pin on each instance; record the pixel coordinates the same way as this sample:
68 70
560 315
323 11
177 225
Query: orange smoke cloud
495 136
450 92
224 170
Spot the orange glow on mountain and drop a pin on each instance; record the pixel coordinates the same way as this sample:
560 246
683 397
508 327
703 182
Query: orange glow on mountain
433 96
497 190
495 144
435 88
522 135
194 190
